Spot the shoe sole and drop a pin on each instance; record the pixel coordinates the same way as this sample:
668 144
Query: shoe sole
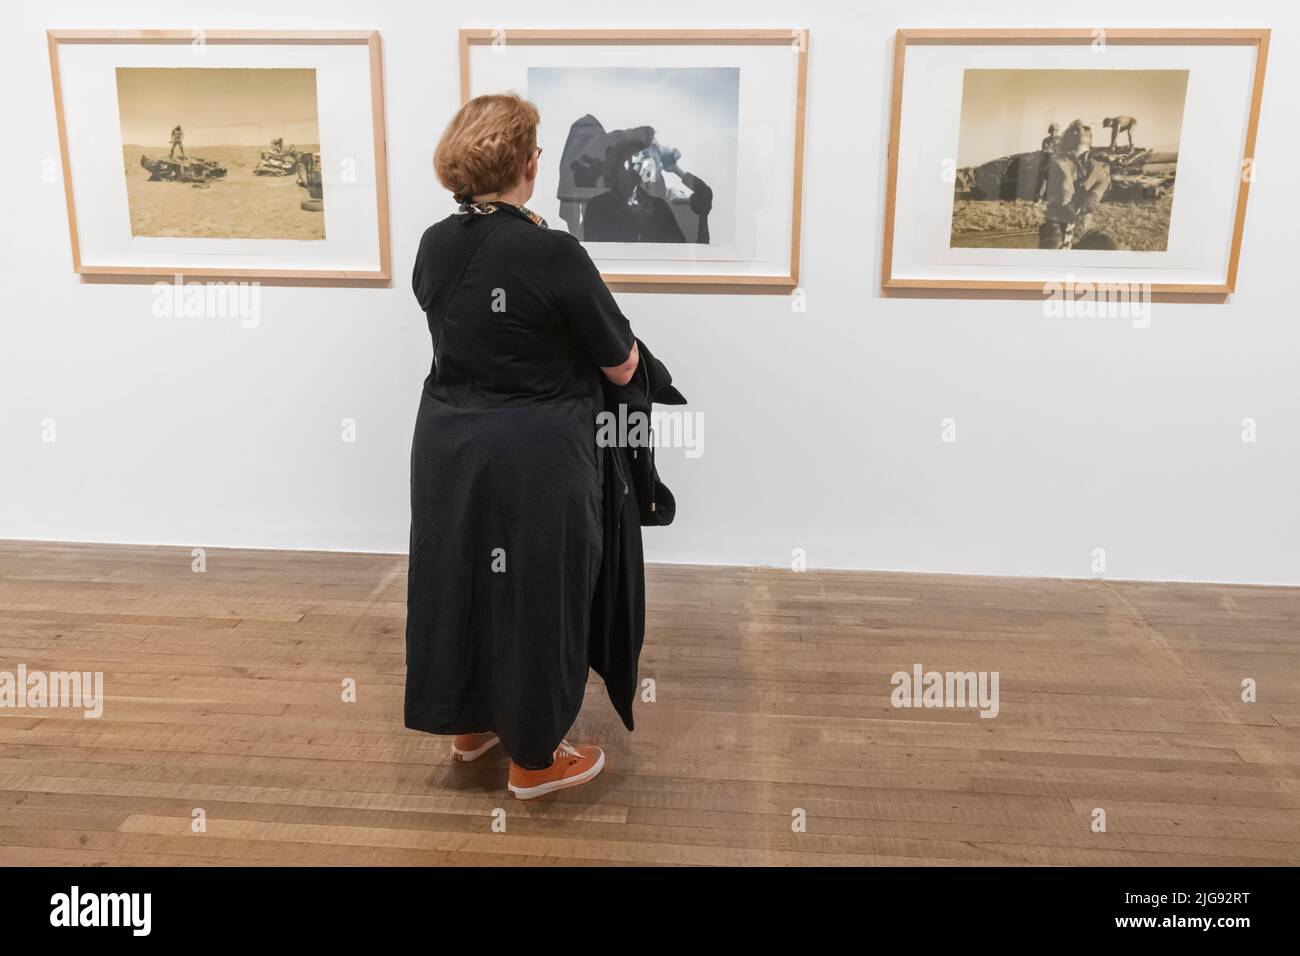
465 756
542 789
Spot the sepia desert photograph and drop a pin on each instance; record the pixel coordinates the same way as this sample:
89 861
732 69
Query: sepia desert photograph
221 153
1067 159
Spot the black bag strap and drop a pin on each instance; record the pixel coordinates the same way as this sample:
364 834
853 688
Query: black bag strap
477 229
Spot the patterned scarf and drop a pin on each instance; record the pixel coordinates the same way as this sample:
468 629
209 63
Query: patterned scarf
469 207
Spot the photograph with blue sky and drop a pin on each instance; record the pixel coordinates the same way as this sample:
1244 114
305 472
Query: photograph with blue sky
639 154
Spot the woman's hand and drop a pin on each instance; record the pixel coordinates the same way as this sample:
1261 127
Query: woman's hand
622 374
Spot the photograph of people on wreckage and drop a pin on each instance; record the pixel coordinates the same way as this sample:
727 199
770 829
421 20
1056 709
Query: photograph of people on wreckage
1067 159
221 153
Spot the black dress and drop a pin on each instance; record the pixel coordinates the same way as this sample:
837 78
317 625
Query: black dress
506 526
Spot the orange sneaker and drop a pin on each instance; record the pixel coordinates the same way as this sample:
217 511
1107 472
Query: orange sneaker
572 767
467 747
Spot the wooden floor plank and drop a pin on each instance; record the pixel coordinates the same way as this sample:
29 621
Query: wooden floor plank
222 691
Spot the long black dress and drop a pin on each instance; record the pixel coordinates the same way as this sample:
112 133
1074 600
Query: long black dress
506 483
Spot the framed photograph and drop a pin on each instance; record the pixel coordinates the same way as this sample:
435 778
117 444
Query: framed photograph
224 154
1020 159
676 156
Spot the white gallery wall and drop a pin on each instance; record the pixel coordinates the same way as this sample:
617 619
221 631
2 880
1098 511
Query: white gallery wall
822 428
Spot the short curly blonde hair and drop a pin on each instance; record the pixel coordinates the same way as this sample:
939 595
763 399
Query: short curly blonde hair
486 145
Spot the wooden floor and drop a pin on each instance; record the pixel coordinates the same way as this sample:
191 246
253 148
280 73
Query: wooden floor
223 692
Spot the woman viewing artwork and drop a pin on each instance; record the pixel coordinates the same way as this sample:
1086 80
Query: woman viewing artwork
506 476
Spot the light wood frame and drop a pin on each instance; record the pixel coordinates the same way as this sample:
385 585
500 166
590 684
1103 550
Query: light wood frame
344 277
1182 292
634 282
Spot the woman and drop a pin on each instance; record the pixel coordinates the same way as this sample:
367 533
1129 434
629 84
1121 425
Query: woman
505 477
